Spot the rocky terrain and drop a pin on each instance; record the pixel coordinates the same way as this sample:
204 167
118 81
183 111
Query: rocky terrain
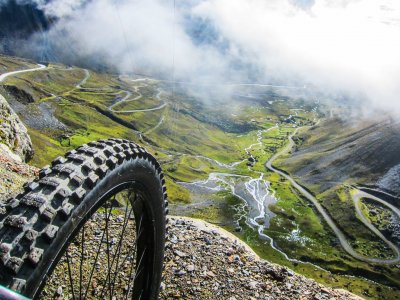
13 175
15 148
14 138
205 262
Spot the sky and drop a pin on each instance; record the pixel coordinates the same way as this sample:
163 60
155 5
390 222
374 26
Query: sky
348 47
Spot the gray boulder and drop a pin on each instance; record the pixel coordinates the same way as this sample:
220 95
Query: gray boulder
14 138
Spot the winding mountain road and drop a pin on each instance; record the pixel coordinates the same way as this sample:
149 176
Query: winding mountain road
340 235
5 75
357 204
141 110
127 96
255 193
83 81
126 99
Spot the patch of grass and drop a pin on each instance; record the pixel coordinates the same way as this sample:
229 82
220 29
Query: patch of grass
379 215
182 133
102 81
56 81
341 207
46 148
142 103
12 63
85 124
143 121
176 192
103 99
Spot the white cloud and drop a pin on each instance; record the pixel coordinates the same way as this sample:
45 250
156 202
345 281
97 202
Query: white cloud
347 45
351 46
60 8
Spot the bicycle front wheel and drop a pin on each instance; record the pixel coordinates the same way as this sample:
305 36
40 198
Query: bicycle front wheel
91 226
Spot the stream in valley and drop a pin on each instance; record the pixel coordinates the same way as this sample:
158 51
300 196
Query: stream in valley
255 194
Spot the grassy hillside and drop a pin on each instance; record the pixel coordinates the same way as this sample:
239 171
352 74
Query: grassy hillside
12 63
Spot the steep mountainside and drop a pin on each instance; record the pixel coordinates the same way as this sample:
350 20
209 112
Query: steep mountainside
391 180
15 148
337 151
14 137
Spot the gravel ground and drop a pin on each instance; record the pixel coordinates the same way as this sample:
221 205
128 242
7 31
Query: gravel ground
58 285
205 262
13 175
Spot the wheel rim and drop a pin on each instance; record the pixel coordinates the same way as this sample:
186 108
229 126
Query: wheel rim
109 257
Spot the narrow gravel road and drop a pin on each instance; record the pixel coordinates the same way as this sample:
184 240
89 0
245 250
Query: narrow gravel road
340 235
126 99
5 75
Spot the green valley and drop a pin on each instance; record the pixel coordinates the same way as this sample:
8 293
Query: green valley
214 153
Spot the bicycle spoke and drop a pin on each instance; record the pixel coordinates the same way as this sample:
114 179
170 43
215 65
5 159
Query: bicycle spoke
126 219
97 256
108 246
110 265
70 275
138 272
108 257
117 253
81 262
139 263
139 232
134 197
107 251
131 271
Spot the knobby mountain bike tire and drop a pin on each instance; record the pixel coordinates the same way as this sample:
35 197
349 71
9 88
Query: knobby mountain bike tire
95 218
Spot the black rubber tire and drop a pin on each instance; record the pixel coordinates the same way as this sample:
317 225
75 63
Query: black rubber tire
37 225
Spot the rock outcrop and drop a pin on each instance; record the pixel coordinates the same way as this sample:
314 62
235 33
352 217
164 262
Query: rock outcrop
19 94
14 138
14 175
206 262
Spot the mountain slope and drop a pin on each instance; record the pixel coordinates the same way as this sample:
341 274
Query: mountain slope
337 151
